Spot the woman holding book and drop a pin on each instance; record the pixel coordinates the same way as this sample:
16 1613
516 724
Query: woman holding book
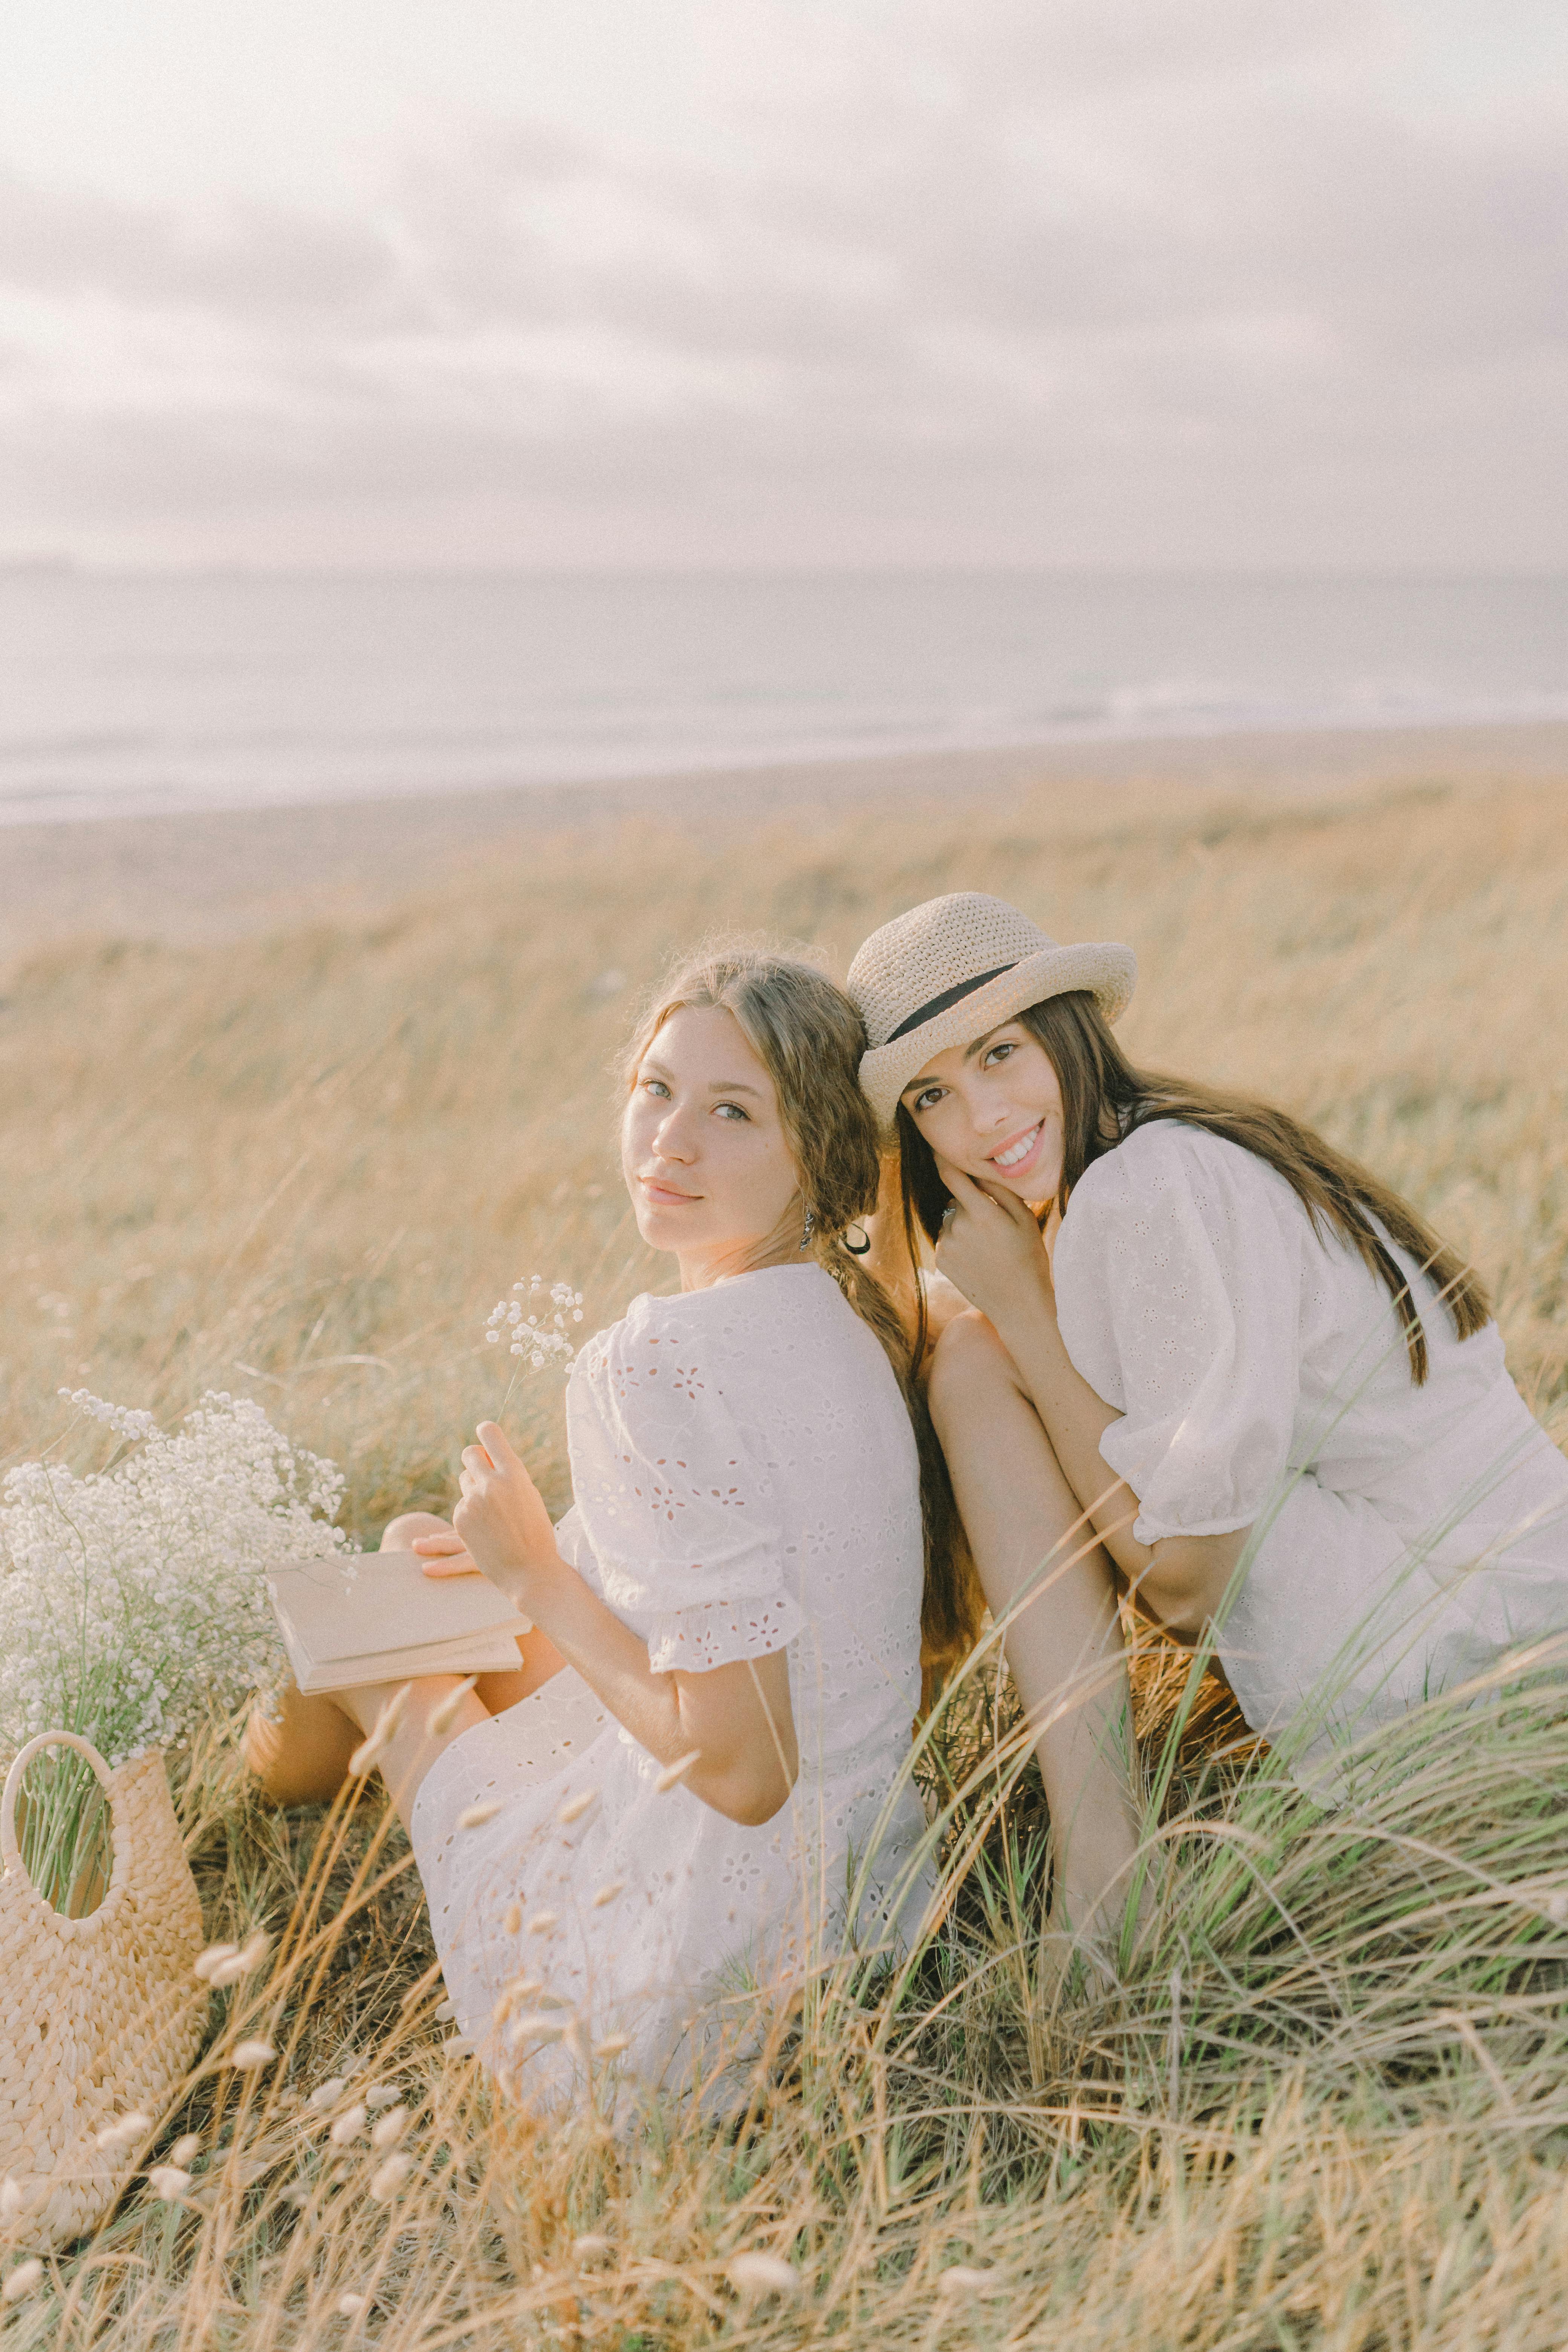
1203 1337
700 1772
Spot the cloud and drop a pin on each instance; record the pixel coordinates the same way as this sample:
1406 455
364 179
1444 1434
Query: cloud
1203 282
253 262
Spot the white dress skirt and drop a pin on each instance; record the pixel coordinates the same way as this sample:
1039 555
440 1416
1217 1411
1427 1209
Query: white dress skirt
745 1481
1410 1538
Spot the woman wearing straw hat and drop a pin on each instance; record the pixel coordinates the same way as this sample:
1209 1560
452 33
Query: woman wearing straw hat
1275 1396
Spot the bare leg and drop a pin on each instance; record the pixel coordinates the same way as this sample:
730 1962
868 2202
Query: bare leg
303 1758
1065 1646
411 1746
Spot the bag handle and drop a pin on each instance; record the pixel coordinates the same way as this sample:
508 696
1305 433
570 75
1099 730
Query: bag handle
11 1852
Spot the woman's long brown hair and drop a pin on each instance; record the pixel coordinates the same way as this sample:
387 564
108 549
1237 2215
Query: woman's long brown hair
1105 1099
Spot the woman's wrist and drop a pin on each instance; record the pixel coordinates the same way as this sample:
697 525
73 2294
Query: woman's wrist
532 1584
1027 1310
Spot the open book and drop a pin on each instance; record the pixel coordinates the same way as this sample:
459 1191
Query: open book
378 1617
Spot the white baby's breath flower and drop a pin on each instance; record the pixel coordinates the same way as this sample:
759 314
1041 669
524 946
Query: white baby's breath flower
168 2180
382 2095
327 2093
124 1419
23 2280
390 2127
186 2149
539 1339
348 2126
351 2304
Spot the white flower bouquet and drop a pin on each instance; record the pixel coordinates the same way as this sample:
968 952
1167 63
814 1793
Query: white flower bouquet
134 1600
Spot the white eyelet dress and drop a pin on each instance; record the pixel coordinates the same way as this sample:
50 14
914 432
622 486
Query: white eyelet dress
1409 1537
745 1481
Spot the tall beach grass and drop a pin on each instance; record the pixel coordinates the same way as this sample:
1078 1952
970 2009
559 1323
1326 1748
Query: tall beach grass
1330 2104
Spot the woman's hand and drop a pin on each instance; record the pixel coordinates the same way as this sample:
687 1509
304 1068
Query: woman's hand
990 1248
501 1519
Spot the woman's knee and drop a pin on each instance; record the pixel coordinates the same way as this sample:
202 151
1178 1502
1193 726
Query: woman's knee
299 1749
401 1531
969 1365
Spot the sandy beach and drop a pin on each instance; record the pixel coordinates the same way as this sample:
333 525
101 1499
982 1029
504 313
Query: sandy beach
210 875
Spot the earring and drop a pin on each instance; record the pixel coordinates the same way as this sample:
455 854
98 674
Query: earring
810 1222
862 1248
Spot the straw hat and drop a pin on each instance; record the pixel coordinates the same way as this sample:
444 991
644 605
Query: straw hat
951 969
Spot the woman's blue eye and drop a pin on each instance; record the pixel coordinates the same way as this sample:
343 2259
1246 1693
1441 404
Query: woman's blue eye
729 1110
656 1086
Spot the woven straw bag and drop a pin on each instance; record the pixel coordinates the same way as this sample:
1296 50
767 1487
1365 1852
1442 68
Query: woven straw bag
99 2016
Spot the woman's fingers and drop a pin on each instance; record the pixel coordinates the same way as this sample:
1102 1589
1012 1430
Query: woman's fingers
458 1563
477 1460
1019 1211
964 1189
499 1446
432 1547
969 1194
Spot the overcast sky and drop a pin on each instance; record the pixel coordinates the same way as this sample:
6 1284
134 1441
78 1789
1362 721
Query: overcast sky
684 282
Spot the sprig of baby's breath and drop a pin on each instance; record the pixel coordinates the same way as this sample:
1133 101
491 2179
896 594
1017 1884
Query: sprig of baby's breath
541 1337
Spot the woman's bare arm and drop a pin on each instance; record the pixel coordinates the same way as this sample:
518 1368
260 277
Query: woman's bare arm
736 1719
993 1250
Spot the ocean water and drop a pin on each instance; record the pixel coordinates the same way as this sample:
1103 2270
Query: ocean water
124 694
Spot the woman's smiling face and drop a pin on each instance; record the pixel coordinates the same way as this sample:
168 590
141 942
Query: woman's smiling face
704 1152
994 1109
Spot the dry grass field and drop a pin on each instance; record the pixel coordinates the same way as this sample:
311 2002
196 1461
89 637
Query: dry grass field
1329 2106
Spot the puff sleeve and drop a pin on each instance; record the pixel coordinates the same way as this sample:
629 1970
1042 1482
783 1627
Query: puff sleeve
1178 1277
677 1498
